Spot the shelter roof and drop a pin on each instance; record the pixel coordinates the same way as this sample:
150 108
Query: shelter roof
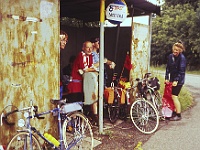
89 10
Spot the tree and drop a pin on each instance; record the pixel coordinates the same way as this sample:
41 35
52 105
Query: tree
178 21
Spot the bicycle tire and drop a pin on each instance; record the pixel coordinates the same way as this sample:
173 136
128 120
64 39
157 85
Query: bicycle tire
155 98
77 132
113 112
123 111
21 141
158 100
144 116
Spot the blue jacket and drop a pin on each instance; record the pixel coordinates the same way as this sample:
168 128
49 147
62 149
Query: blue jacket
175 69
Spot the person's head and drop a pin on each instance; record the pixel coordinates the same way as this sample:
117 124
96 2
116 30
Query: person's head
178 48
63 39
87 47
95 43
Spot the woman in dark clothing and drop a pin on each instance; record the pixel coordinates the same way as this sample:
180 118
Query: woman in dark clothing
175 73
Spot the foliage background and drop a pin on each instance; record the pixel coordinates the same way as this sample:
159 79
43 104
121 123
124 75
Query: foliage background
179 20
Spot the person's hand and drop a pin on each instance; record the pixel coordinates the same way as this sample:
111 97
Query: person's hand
105 60
112 65
80 71
166 81
174 83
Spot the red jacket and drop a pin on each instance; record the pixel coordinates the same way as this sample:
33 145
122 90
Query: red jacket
83 62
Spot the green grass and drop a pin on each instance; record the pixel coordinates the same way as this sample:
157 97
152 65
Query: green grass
185 96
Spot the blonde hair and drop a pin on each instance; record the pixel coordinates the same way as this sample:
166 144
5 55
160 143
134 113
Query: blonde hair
179 45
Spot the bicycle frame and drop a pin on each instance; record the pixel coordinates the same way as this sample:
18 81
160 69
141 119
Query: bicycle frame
58 111
55 110
32 113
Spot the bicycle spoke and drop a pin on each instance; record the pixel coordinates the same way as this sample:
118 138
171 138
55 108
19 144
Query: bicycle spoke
77 132
21 141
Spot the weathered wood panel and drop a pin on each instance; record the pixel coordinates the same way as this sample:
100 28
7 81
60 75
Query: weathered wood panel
29 58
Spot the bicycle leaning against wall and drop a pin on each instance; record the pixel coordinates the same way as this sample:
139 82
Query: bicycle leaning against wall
74 128
144 111
117 100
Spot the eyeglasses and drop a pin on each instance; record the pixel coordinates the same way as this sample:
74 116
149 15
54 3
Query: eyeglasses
64 40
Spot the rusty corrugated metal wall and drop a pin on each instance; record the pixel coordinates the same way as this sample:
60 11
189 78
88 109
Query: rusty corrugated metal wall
29 58
139 51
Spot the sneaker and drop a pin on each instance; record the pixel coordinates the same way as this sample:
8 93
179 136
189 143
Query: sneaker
175 118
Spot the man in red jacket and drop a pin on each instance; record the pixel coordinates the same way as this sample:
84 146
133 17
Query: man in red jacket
82 63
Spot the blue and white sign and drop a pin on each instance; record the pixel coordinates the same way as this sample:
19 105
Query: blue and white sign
116 12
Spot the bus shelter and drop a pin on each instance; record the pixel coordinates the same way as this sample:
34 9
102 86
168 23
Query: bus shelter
94 10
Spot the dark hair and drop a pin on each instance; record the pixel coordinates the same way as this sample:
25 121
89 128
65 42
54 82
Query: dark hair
94 39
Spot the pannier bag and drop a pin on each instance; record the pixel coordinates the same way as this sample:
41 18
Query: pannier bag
122 96
109 95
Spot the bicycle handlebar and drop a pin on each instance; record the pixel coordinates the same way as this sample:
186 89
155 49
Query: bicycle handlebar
5 117
33 108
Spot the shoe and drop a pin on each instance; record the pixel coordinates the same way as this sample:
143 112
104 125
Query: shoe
175 118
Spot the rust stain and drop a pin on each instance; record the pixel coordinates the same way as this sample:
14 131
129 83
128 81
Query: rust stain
30 68
139 51
94 96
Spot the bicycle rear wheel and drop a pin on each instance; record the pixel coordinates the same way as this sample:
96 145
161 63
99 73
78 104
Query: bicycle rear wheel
158 101
144 116
77 132
21 141
113 112
123 111
155 98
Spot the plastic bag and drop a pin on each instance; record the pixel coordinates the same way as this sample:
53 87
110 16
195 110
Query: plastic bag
167 101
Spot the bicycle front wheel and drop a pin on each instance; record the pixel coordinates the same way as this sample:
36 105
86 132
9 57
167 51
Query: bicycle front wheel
144 116
22 141
77 132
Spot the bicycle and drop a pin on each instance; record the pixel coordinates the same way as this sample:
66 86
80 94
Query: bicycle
75 131
143 113
119 105
151 91
119 109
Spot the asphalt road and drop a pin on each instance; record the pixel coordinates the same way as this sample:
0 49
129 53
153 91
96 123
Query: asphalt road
183 134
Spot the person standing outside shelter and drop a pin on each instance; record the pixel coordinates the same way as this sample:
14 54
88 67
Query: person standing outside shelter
175 73
63 42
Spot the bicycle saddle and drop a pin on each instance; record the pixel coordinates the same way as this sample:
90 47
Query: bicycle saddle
58 101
